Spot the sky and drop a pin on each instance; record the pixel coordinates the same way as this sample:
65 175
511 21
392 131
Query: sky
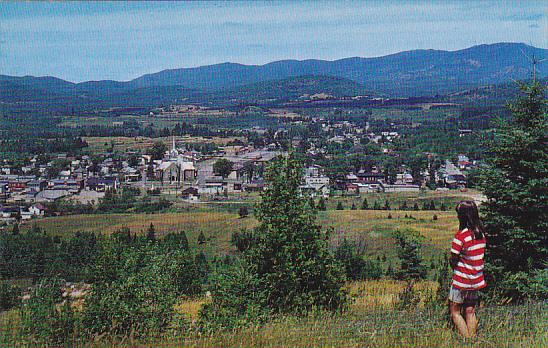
123 40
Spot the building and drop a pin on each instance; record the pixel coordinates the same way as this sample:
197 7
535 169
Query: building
102 184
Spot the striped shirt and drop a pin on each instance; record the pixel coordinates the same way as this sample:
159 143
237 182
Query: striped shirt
468 275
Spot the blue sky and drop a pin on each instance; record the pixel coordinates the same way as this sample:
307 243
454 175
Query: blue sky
121 41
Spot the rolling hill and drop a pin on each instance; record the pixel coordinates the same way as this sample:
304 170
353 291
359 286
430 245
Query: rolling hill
404 74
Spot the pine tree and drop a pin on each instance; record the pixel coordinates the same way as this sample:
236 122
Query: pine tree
353 207
15 229
416 206
377 206
386 205
340 206
443 207
201 238
365 204
151 233
311 203
290 254
408 248
243 212
321 204
432 205
515 181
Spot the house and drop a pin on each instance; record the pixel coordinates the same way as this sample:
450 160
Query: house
401 188
455 181
17 185
9 212
51 195
37 185
370 177
102 184
37 209
191 194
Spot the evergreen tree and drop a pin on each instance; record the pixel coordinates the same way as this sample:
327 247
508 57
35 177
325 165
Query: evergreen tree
321 204
404 206
340 206
288 266
416 206
515 181
365 204
201 238
353 207
151 233
291 254
15 229
443 207
411 263
377 206
386 205
432 205
311 203
243 212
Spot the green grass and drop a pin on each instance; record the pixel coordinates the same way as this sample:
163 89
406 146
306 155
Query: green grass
370 321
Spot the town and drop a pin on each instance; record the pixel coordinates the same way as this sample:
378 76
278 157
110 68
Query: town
176 169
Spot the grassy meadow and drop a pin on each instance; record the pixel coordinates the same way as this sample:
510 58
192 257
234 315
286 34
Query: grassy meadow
373 317
372 227
370 321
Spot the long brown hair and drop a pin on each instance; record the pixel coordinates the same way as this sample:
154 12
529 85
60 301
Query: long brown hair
467 212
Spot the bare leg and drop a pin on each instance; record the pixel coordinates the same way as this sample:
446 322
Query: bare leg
454 309
471 320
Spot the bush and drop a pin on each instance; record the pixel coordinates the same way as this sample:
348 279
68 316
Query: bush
409 298
237 300
9 296
139 301
242 240
243 212
47 318
411 263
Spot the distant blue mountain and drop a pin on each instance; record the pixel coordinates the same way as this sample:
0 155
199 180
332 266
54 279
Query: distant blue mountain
410 73
404 74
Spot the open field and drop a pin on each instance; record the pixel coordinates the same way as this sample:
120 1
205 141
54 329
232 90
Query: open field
370 321
370 226
122 144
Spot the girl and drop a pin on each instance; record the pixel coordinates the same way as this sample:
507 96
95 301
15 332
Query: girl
467 252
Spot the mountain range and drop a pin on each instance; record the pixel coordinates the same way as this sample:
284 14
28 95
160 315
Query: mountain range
405 74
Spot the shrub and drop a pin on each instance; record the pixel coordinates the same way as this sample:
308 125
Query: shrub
237 300
411 263
242 240
46 317
243 212
140 300
9 295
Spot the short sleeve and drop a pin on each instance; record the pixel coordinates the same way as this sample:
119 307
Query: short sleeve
458 241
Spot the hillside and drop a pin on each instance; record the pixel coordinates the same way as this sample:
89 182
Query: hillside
411 73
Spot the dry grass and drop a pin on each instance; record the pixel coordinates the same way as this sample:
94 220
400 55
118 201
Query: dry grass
370 321
369 226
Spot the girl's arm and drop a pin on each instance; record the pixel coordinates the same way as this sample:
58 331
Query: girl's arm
454 260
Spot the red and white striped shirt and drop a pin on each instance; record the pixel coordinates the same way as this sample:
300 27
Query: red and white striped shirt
468 275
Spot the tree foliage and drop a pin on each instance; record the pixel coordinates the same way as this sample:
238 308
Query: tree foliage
515 181
288 261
